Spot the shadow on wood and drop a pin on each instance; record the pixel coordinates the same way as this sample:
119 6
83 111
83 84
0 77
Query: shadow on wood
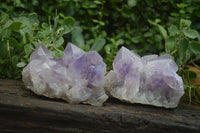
23 111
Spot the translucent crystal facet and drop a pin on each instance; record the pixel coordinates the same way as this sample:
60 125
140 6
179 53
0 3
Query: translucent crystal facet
77 77
148 80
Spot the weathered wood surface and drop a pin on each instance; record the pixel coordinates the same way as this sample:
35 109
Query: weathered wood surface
23 111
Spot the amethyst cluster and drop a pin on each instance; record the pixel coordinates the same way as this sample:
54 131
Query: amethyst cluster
77 77
148 80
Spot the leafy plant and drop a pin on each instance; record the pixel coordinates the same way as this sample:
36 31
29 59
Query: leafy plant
101 25
19 36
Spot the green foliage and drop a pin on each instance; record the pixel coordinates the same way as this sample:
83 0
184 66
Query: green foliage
20 35
195 47
98 44
191 75
111 49
77 37
146 26
192 92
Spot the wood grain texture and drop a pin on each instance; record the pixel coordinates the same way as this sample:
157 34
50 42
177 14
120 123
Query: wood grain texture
23 111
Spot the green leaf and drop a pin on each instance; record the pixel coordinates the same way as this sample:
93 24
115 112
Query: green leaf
59 42
152 22
157 20
4 18
107 49
147 34
191 33
98 22
170 43
14 43
135 39
33 18
195 47
45 33
6 33
68 25
45 25
187 55
21 64
14 60
190 75
97 2
98 44
185 23
174 14
77 37
56 54
182 12
183 46
182 5
173 30
162 31
132 3
56 18
197 13
35 43
6 25
27 26
16 25
28 48
120 41
158 37
3 49
190 9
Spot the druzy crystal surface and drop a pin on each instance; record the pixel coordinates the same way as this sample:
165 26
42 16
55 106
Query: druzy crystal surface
149 79
77 77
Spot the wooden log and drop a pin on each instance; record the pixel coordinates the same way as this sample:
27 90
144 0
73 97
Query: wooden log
23 111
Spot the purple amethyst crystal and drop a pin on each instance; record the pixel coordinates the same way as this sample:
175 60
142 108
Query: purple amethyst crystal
147 80
77 77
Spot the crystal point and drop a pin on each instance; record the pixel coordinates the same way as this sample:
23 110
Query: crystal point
71 53
41 52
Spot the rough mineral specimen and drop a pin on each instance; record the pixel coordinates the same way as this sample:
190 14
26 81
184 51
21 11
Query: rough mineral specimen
77 77
148 80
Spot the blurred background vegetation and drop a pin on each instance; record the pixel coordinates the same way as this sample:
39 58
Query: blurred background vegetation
145 26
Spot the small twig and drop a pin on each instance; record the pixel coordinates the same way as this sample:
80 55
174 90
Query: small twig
55 48
8 49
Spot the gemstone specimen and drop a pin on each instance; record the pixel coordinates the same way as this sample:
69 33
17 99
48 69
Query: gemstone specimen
149 79
77 77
